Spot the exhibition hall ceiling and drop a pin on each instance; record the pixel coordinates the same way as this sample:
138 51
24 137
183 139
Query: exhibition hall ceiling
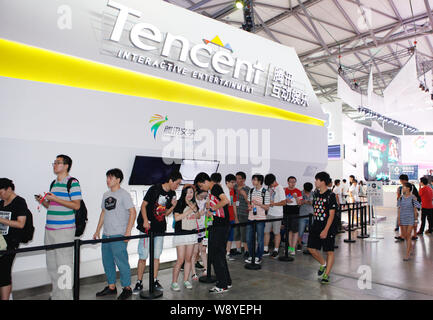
359 35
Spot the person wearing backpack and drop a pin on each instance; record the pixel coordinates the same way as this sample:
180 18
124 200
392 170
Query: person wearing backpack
403 180
12 231
407 216
60 224
259 201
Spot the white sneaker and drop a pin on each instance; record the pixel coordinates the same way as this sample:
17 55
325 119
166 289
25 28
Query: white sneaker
217 290
249 260
258 261
187 285
175 286
292 253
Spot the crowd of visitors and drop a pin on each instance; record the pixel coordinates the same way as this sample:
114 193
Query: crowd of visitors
207 202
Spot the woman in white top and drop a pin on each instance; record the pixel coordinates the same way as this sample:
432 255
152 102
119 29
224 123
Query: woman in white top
185 214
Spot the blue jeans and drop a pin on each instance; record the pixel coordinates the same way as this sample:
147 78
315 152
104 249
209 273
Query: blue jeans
302 224
260 238
115 253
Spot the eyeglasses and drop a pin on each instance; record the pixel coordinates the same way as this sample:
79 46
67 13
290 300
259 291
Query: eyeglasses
57 162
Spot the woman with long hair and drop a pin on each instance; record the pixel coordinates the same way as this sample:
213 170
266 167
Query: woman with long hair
185 216
407 216
200 246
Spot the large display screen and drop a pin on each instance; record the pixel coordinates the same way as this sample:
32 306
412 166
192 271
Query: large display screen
190 168
151 170
383 150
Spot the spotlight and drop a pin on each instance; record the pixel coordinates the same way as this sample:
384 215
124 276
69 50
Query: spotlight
239 4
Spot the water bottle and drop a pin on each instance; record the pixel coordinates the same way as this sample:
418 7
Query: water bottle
254 210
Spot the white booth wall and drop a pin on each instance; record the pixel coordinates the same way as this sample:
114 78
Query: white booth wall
102 130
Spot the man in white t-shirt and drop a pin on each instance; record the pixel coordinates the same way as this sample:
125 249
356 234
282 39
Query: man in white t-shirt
338 190
354 191
344 191
278 200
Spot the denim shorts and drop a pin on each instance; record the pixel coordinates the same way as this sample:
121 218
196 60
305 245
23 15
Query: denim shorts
143 247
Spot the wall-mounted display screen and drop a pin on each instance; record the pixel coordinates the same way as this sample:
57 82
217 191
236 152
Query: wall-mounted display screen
151 170
383 150
334 152
190 168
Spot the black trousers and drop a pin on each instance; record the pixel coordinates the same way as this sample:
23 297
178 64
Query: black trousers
426 213
217 252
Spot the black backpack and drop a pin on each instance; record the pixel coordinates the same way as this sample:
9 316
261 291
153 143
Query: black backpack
80 214
263 196
29 229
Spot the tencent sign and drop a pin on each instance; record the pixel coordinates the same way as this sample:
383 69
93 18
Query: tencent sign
201 55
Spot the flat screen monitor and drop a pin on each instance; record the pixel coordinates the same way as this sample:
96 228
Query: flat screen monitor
190 168
334 152
151 170
384 150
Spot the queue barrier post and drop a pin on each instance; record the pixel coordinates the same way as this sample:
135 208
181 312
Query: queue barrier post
253 265
152 294
208 278
286 256
349 216
310 223
77 246
363 234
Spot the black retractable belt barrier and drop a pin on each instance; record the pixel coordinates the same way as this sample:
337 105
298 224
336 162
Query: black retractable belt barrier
208 278
253 265
365 222
349 216
77 246
152 294
363 211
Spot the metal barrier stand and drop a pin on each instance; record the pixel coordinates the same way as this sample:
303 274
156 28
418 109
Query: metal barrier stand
286 256
208 278
349 215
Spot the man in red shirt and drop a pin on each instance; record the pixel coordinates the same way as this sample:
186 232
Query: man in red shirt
293 199
426 195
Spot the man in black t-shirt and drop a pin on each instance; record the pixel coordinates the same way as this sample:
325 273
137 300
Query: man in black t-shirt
158 203
324 228
218 208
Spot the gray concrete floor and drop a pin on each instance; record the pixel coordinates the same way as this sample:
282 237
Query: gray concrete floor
392 278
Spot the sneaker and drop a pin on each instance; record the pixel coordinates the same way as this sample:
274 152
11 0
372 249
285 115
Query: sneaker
126 293
138 287
266 253
217 290
414 238
229 286
237 253
399 238
258 261
194 277
428 231
182 266
321 270
204 273
198 265
274 254
106 291
187 285
231 258
292 253
158 286
325 279
420 233
249 260
299 247
396 229
175 287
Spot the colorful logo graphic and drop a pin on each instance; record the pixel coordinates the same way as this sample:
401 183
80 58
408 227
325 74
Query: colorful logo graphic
420 142
158 120
217 41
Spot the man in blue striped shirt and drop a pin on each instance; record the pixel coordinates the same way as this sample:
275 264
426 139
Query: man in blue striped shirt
60 227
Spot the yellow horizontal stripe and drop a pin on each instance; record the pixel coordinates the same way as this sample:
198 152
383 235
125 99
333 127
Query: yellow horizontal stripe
31 63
